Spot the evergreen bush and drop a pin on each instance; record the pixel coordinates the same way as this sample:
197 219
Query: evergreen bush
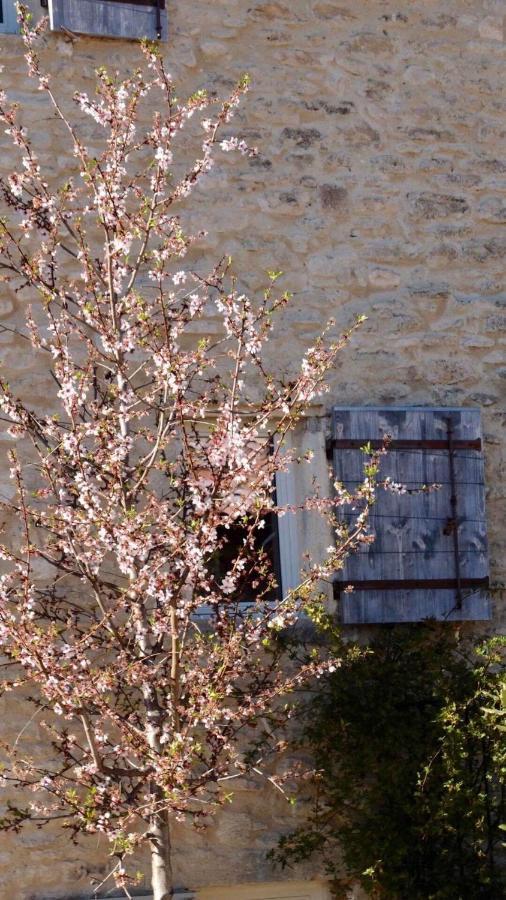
408 738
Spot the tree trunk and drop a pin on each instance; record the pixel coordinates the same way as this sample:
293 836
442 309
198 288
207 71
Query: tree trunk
159 831
161 868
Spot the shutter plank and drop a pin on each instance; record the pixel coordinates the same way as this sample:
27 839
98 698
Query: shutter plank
103 18
8 17
410 540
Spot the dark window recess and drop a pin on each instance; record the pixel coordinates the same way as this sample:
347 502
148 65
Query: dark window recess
128 19
1 12
429 556
267 545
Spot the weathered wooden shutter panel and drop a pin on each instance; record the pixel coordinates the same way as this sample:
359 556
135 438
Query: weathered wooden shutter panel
8 18
444 571
110 18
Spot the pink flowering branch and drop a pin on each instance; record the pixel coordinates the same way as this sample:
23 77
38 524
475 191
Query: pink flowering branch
122 602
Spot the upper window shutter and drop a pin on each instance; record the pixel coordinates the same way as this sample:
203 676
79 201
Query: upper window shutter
429 556
111 18
8 17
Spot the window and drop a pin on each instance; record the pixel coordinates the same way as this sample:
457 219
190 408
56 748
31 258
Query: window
277 541
266 546
8 20
129 19
429 556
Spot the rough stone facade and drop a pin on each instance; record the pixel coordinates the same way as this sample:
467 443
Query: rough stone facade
380 189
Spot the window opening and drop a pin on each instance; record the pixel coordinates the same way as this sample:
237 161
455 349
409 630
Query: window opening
266 542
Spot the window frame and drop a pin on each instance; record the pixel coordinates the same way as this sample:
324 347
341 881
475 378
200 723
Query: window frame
287 527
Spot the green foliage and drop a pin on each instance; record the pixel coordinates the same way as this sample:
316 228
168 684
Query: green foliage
408 739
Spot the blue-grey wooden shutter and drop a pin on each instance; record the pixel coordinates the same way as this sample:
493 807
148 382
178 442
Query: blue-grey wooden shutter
429 556
111 18
8 18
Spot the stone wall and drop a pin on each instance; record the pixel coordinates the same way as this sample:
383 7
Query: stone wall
380 189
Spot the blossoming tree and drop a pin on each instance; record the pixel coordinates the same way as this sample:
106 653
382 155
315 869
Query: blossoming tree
146 665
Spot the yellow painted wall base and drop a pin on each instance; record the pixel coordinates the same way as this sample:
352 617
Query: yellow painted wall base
292 890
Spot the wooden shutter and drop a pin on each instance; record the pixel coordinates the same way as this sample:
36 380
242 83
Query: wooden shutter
111 18
8 18
429 557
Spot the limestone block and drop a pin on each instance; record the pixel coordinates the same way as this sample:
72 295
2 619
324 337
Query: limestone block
6 307
383 279
333 197
492 209
213 48
491 28
434 206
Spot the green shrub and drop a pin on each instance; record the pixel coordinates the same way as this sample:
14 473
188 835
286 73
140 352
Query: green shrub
409 744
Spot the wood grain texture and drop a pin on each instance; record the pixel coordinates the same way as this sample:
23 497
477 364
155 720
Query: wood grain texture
105 19
8 19
413 536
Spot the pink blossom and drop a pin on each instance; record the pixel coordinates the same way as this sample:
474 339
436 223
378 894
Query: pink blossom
121 595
